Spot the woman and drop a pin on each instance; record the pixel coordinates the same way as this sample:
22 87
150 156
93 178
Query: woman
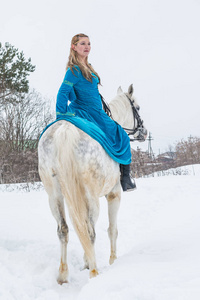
80 87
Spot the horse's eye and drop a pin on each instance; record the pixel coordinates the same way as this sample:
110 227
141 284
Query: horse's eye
138 107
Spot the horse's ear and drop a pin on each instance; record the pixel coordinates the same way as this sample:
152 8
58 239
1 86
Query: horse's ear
131 90
119 91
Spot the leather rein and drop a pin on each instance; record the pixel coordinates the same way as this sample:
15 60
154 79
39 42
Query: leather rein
136 116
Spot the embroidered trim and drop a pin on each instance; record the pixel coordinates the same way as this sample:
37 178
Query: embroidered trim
66 114
68 83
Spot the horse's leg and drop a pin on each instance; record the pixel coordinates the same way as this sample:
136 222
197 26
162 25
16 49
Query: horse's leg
90 257
57 208
113 199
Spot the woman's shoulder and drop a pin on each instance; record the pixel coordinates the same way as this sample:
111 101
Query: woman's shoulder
74 70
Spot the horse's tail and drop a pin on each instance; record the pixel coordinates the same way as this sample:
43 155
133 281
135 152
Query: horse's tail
66 138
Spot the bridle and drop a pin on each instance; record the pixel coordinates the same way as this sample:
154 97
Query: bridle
130 131
136 116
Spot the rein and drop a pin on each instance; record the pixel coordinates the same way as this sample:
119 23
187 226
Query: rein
106 107
136 116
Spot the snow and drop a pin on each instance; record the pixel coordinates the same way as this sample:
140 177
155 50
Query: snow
158 245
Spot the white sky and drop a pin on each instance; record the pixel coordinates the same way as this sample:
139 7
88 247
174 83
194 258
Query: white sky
154 44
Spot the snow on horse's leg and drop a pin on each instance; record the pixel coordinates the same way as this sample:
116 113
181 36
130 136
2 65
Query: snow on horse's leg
113 199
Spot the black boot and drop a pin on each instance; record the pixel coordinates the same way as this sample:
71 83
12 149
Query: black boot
127 183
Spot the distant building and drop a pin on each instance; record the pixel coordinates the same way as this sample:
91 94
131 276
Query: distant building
167 157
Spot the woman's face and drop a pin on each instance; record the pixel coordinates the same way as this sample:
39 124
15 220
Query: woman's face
82 47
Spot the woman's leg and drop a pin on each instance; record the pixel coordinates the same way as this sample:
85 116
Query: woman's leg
127 183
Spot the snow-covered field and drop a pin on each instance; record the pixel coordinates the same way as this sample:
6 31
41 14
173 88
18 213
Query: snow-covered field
158 246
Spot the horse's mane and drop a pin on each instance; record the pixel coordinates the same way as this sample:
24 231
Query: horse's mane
117 105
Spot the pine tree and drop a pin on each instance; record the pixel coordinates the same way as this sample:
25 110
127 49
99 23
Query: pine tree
14 72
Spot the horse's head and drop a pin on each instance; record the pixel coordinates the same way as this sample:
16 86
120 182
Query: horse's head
125 111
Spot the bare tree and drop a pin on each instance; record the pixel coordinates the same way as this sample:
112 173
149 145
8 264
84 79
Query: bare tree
21 124
188 151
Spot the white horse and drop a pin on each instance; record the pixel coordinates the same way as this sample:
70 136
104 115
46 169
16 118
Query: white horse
75 167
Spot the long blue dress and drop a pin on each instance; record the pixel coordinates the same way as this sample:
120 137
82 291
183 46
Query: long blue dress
86 112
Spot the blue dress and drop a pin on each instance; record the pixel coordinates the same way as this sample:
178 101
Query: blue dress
86 112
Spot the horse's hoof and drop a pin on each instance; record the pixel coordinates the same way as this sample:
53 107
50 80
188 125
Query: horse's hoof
61 281
62 277
112 259
63 273
93 273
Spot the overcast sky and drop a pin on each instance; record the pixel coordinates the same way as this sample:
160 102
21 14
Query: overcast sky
154 44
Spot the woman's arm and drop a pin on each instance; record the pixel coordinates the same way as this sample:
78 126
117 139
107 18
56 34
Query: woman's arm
63 93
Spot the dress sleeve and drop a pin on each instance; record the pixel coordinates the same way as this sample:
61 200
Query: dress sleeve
63 94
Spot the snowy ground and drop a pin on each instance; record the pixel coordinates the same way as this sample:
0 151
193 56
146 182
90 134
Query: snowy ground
158 246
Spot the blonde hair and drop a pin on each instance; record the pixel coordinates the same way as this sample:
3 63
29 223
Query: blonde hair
74 61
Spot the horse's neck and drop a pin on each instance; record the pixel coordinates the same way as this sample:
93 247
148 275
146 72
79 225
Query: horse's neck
121 111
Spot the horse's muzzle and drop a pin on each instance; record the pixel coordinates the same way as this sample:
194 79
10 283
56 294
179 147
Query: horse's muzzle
141 134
